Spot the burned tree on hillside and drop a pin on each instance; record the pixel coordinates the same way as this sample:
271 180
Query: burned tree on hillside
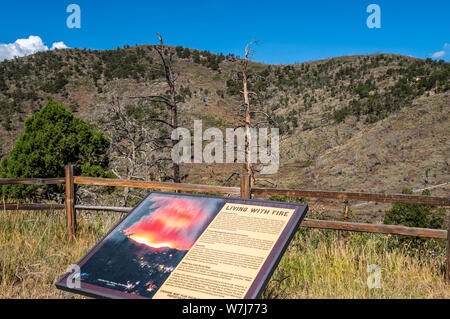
170 100
253 114
138 144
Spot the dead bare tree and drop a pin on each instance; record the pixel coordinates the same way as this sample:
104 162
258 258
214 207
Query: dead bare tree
248 164
169 100
255 111
255 114
136 146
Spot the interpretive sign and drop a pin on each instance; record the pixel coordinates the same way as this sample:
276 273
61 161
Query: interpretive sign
188 246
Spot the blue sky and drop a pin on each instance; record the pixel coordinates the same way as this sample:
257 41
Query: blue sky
288 31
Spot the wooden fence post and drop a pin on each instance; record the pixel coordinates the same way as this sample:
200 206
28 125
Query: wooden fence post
345 233
70 203
448 251
245 186
346 203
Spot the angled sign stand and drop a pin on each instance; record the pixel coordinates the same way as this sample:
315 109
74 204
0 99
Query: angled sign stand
188 246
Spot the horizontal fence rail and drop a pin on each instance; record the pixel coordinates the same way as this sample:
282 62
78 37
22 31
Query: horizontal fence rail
20 206
156 185
327 224
370 197
104 208
375 228
311 223
32 181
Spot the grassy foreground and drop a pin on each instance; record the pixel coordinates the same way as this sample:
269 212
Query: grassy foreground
34 253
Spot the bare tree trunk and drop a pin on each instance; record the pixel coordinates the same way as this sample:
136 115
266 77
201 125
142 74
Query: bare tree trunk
248 158
174 122
170 79
125 196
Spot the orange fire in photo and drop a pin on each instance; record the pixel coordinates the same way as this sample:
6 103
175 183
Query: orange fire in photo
174 223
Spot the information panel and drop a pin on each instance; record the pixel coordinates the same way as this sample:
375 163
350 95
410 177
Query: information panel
188 246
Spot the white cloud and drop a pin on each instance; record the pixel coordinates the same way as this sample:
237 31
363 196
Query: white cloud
59 45
23 47
438 54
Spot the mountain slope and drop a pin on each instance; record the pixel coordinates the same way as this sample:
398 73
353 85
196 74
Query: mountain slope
372 123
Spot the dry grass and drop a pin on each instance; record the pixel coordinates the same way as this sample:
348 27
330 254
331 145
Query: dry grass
321 264
34 253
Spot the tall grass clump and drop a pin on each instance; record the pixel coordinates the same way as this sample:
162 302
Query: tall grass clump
35 252
321 264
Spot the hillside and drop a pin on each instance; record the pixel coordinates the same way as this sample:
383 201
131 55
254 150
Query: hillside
356 123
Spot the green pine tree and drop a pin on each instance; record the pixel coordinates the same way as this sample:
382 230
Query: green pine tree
53 138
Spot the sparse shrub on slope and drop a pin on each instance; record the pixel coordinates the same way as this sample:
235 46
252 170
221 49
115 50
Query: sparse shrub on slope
432 75
413 215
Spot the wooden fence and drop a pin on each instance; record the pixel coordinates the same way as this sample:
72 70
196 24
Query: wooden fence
244 191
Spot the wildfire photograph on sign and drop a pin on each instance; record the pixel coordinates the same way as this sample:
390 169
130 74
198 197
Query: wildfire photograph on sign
141 253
